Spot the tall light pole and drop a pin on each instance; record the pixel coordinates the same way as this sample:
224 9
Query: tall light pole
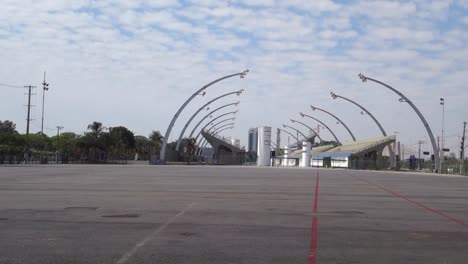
210 115
390 150
339 120
58 136
311 129
45 87
201 90
442 141
407 100
462 151
179 140
323 124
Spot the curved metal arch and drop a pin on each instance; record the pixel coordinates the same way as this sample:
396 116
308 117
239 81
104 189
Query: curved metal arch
382 130
323 124
295 129
426 125
216 130
211 122
174 118
339 120
287 132
179 140
316 134
213 126
209 114
206 142
226 128
334 96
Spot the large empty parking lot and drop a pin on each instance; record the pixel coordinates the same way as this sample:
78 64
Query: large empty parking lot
194 214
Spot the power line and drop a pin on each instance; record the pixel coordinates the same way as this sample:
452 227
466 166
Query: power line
11 86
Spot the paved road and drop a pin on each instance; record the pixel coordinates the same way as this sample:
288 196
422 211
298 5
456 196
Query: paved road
143 214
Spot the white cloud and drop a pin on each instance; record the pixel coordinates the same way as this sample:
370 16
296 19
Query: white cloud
134 62
315 6
464 20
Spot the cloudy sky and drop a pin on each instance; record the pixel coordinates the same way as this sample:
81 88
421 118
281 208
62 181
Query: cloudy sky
133 63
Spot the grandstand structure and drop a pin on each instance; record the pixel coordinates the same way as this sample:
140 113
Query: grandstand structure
363 154
224 153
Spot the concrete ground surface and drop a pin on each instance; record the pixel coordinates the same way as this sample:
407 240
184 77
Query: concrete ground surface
194 214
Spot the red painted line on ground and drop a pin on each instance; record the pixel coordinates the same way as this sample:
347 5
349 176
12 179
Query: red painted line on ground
416 203
312 259
316 193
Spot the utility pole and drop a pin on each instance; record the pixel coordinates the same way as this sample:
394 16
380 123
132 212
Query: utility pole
462 151
58 135
30 87
45 87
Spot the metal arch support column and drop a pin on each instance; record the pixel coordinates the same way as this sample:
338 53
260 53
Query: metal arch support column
295 129
211 122
363 109
209 114
198 111
426 125
226 128
273 147
218 128
206 142
311 129
216 131
323 124
339 120
287 132
224 120
392 152
169 128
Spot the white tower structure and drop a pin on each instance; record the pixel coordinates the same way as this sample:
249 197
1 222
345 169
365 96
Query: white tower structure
264 146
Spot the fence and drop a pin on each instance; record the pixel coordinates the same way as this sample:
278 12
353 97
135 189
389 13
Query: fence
92 157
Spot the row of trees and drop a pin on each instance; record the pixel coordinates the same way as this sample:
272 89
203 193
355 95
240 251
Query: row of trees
97 144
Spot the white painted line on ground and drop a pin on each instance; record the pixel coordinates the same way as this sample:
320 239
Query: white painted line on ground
151 236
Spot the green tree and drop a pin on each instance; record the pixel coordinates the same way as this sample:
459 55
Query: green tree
7 127
156 141
120 142
121 136
96 142
12 145
189 146
68 145
156 137
142 145
37 142
96 128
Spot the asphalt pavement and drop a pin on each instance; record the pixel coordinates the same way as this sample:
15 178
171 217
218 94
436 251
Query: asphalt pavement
208 214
